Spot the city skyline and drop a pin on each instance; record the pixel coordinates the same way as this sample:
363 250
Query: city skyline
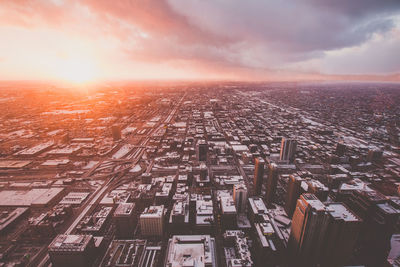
200 133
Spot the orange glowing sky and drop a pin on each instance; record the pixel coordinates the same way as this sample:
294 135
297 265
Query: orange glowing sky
99 40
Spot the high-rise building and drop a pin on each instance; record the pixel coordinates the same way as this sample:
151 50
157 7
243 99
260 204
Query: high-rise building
293 193
227 209
203 171
257 209
72 250
380 219
267 244
288 149
116 132
152 221
202 149
340 149
179 217
322 234
309 223
258 175
240 197
374 154
125 222
272 182
318 189
341 235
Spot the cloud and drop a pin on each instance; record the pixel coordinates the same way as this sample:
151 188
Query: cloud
237 37
378 56
294 26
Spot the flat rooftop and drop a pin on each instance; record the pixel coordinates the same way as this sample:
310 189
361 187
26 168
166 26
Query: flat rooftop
70 243
14 164
115 196
257 205
74 198
313 201
153 211
25 198
8 218
191 250
64 151
55 162
228 205
36 149
124 209
341 212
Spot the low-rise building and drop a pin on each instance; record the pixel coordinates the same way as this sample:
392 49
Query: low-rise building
191 250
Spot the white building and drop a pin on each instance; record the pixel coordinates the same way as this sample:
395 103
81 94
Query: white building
191 250
152 221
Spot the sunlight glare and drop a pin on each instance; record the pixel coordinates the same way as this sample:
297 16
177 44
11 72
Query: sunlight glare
77 70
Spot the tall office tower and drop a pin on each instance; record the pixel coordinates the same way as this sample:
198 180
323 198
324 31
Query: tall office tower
202 149
309 223
125 222
318 189
152 221
65 138
240 197
72 250
203 171
293 193
179 217
258 175
288 149
116 132
380 219
341 235
272 182
374 154
340 149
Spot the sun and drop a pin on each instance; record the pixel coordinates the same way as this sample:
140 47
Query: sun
77 70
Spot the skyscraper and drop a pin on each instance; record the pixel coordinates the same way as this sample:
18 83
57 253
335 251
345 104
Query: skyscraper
322 234
258 175
116 132
203 171
341 235
374 154
202 149
380 219
309 223
240 197
318 189
125 222
340 149
288 149
152 221
293 193
72 250
272 182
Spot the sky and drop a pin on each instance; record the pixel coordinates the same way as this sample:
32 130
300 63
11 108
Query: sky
103 40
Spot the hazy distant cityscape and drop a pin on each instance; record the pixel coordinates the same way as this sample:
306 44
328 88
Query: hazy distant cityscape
222 174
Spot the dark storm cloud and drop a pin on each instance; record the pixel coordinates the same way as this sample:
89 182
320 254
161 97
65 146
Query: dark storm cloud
293 26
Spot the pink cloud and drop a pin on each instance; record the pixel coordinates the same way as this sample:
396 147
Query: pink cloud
228 39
